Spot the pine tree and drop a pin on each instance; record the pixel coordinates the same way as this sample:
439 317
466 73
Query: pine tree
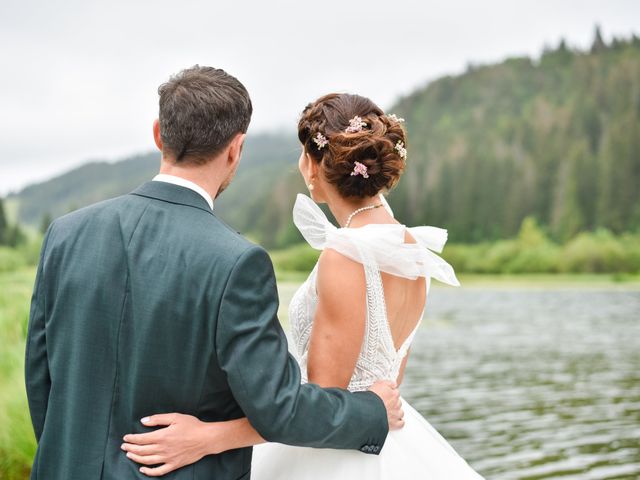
45 222
15 236
598 43
562 47
4 226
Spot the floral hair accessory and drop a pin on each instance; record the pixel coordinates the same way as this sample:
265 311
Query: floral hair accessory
360 169
355 125
320 140
395 118
402 151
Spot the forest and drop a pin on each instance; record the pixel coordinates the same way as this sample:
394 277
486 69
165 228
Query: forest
550 143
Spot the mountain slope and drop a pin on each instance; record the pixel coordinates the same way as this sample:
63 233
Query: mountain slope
265 158
557 138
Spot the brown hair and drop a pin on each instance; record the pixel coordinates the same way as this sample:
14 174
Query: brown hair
374 146
201 110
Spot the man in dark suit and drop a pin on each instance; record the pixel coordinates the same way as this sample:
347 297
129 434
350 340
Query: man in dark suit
149 303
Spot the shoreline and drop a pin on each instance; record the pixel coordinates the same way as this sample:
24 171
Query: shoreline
613 281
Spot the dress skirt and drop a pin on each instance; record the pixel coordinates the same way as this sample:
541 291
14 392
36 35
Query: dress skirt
417 451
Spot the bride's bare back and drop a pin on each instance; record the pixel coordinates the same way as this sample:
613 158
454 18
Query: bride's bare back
405 301
340 319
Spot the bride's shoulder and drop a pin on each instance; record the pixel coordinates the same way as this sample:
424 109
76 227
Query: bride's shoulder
333 261
339 272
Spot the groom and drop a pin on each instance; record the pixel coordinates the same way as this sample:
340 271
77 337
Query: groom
149 303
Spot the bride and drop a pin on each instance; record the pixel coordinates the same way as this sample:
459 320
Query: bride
354 318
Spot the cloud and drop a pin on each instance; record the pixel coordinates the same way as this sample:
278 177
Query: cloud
80 82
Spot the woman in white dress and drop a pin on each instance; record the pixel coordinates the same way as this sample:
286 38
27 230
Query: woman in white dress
354 318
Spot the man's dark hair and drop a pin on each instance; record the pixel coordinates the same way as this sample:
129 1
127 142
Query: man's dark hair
201 109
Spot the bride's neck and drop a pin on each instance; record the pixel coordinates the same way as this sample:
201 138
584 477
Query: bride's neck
342 207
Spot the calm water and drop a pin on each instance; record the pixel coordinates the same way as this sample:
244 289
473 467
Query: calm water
532 383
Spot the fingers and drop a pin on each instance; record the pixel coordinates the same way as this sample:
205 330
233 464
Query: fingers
158 471
141 449
143 438
389 383
396 424
162 419
396 413
396 420
145 460
159 420
394 401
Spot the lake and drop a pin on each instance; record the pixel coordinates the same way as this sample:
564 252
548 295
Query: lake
531 382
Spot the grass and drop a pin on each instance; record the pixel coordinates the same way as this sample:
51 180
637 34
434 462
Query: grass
17 442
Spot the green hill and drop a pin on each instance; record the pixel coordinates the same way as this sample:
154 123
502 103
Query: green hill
555 138
82 186
268 160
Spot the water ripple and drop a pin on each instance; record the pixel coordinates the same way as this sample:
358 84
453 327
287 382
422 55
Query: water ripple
532 384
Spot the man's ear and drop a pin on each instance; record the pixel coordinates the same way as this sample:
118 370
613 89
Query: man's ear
235 148
156 134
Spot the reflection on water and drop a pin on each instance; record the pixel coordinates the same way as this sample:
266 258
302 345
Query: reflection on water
531 384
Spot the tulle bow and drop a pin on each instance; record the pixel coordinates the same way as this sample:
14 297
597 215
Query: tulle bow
379 245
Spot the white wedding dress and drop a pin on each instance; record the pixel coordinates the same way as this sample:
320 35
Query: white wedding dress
416 451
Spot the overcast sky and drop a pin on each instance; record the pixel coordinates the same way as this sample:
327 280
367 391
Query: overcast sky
79 77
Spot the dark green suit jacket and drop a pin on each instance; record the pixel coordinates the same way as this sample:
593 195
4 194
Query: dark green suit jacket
148 303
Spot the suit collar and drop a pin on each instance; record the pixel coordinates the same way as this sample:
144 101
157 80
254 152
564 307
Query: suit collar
169 192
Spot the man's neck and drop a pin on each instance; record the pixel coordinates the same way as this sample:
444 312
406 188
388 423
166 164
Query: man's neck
202 175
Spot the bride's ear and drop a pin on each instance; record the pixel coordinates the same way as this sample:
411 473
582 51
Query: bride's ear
313 167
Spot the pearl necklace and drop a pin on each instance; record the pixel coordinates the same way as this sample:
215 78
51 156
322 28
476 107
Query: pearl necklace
370 207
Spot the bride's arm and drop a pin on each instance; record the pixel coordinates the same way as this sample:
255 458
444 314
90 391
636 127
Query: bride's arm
339 322
403 365
185 440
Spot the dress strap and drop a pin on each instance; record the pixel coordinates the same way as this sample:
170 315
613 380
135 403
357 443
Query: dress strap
384 244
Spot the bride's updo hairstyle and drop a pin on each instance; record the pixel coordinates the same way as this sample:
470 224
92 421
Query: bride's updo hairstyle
375 141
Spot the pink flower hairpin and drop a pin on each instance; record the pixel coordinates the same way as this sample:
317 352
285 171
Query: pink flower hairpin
360 169
355 125
320 140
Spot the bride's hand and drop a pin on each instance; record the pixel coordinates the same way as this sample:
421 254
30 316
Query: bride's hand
183 441
390 395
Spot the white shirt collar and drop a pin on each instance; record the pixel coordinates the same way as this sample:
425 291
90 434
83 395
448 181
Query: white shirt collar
183 182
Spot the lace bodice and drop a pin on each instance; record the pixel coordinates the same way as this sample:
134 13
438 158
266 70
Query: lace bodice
380 248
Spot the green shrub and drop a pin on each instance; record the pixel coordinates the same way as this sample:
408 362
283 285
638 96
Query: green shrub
598 252
30 251
536 259
15 258
11 260
299 258
533 252
498 256
631 244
